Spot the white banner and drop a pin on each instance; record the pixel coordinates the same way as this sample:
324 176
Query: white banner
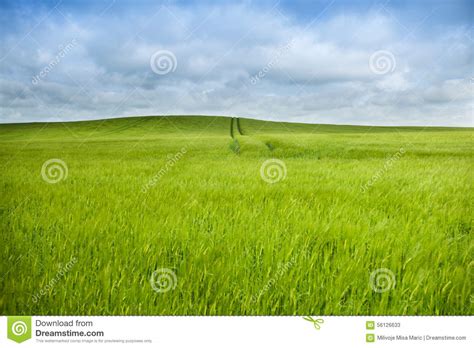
236 332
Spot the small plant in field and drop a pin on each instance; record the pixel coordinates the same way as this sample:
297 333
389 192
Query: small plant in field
270 146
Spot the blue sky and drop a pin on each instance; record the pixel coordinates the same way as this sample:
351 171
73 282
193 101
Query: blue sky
344 62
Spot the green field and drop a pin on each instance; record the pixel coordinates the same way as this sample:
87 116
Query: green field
177 193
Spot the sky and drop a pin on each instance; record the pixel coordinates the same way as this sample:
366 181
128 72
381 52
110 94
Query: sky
330 61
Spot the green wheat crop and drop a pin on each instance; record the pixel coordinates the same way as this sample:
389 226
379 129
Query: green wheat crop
150 193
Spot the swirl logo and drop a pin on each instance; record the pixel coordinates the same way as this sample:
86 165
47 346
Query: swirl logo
19 328
273 171
54 170
163 280
163 62
382 62
382 280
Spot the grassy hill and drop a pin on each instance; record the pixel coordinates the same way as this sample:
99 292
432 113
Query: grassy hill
284 219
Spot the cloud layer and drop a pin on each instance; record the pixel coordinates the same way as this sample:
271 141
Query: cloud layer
63 63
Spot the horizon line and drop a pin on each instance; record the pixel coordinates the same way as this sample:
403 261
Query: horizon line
230 116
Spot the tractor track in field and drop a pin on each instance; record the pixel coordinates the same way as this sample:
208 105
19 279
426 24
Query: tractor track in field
235 145
239 128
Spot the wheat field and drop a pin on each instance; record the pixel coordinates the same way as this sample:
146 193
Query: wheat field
217 216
